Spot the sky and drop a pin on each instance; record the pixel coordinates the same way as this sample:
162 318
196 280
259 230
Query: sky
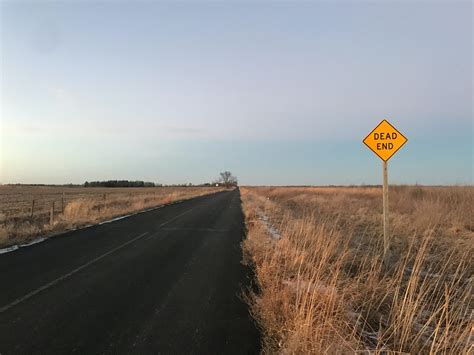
279 93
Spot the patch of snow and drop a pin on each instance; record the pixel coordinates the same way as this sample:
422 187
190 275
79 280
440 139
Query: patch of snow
131 214
18 246
36 241
116 219
272 230
9 249
308 286
409 271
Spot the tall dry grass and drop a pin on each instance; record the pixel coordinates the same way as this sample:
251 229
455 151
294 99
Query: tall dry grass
324 289
82 206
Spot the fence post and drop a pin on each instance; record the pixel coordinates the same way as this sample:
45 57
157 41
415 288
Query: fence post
62 203
32 208
51 214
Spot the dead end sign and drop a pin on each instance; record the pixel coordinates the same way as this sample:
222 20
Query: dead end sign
385 140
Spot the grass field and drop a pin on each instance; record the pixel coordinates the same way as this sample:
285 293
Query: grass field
323 287
25 211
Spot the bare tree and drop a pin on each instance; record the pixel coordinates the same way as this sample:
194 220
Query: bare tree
227 179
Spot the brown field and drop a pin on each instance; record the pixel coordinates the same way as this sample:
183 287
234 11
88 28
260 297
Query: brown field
324 289
25 211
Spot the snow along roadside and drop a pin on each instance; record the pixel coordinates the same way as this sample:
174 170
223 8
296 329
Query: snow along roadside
272 230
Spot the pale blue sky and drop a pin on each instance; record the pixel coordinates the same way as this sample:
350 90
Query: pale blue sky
276 92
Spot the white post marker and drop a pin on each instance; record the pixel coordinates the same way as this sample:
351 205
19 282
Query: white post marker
385 140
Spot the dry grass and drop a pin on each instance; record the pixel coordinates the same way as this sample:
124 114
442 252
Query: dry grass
324 289
75 206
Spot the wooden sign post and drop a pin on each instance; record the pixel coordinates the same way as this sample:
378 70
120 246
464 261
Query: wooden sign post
386 228
385 141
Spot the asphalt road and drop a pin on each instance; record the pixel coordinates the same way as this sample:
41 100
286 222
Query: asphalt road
166 281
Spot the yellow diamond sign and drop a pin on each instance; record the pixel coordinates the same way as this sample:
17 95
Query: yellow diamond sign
385 140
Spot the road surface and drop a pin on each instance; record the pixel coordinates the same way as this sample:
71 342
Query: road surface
164 281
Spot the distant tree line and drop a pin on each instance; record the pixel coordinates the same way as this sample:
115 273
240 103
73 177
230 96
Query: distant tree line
226 178
119 183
